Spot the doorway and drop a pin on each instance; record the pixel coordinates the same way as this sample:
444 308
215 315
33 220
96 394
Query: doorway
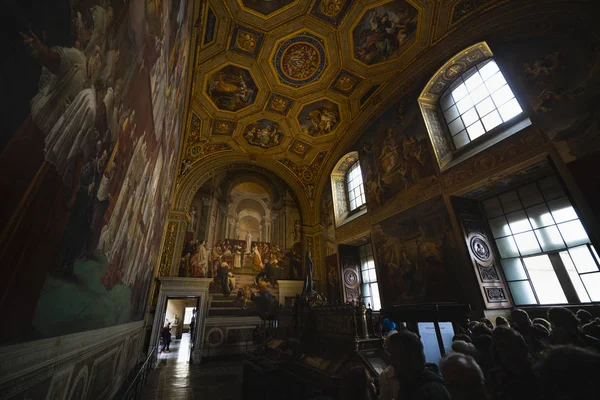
176 341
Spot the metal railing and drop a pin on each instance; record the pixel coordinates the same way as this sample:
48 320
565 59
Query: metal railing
134 391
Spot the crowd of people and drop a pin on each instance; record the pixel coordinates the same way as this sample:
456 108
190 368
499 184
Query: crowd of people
554 358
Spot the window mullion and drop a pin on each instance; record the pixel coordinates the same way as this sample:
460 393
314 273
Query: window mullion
563 278
531 285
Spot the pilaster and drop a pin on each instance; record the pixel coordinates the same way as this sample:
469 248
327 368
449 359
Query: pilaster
315 243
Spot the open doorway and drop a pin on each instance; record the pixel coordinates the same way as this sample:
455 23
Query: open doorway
178 329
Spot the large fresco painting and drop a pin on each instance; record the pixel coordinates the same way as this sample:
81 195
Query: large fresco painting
559 76
93 163
395 155
416 251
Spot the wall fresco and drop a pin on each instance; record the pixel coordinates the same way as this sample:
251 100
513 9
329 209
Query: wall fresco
416 252
395 156
97 153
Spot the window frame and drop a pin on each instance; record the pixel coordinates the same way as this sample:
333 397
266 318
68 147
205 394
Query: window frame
445 152
366 256
554 255
349 192
499 132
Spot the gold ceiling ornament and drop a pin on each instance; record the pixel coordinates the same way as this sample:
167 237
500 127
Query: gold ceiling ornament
199 151
299 148
331 8
279 104
246 41
306 173
345 83
222 127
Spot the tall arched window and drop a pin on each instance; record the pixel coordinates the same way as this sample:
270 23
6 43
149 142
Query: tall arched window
477 102
347 188
355 187
468 106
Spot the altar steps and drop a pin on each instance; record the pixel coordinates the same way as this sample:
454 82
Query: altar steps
222 305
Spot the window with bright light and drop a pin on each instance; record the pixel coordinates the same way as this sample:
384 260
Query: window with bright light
477 102
354 183
541 242
370 289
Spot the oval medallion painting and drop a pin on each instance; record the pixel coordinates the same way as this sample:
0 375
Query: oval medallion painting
300 60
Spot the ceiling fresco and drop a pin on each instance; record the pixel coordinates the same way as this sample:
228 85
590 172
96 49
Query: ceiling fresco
292 80
263 133
319 118
231 88
384 32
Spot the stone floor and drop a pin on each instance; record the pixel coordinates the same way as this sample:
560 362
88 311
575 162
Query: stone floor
174 378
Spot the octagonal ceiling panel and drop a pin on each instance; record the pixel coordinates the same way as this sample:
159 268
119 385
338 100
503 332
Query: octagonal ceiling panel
319 118
267 7
379 36
299 60
231 88
215 21
263 133
265 14
384 32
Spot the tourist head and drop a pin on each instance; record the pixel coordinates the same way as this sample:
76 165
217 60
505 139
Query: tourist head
520 319
569 372
561 317
544 322
584 317
509 348
483 344
480 329
356 385
487 323
462 347
406 353
463 337
501 321
463 377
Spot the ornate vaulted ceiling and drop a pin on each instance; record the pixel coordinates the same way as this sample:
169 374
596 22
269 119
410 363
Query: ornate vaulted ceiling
287 82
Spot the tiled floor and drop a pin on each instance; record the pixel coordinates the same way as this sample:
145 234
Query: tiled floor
174 378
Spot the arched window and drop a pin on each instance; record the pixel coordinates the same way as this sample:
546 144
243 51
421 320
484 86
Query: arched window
355 187
477 102
468 106
347 188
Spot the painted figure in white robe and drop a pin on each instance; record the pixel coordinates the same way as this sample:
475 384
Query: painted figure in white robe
248 242
74 133
102 18
109 234
66 71
237 257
